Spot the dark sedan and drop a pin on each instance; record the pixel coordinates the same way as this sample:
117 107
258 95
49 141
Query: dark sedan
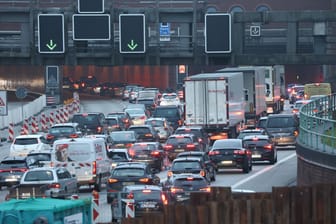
230 153
11 170
262 148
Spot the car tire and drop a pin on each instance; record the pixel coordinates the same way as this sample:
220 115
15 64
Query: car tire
246 166
213 177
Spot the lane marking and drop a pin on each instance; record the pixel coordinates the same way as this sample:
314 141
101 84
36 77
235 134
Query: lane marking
263 171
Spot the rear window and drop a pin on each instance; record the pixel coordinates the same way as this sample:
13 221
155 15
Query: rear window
146 194
128 172
155 123
112 121
39 175
178 165
140 130
72 152
166 112
116 156
182 140
122 136
26 141
188 131
13 164
86 119
280 122
143 147
61 130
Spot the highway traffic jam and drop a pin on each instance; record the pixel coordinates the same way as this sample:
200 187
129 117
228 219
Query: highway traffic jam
161 147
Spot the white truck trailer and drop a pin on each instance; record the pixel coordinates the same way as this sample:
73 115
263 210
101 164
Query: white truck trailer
216 102
254 89
275 88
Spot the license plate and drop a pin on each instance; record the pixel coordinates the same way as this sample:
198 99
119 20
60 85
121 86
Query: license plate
148 205
128 183
227 162
179 150
256 156
25 195
142 156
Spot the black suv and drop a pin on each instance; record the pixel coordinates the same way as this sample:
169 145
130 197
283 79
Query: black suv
145 133
173 114
199 132
178 143
130 173
91 123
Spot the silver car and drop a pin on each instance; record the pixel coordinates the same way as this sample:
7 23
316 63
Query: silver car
57 182
162 126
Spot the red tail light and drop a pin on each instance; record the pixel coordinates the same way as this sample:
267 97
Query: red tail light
148 135
143 117
213 153
94 167
191 146
206 189
73 136
175 190
268 147
144 180
168 147
155 153
54 185
49 137
128 145
99 129
200 140
239 152
131 152
164 199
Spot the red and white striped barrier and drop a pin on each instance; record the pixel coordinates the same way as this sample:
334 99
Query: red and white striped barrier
58 117
11 132
25 127
43 121
51 119
129 209
95 207
34 125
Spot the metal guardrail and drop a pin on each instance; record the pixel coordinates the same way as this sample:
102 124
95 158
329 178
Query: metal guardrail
318 125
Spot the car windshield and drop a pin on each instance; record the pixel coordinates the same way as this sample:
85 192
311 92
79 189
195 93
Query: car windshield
181 165
280 122
39 175
146 194
128 172
169 96
35 158
26 141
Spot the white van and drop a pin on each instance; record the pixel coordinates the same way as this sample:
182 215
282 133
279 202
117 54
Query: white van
84 157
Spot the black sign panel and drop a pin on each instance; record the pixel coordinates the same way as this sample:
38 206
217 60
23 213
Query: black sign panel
132 33
90 6
91 27
51 33
218 33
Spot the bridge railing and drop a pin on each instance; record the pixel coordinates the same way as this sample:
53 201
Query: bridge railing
318 125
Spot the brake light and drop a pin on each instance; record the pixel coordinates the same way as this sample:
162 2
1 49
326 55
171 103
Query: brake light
213 153
191 146
296 133
155 153
169 173
200 140
94 167
168 147
73 136
239 152
164 199
143 117
190 178
268 147
128 145
112 180
49 136
99 129
148 135
175 190
206 189
144 180
131 152
202 173
54 185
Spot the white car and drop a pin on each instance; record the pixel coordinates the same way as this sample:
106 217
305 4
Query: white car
24 144
170 99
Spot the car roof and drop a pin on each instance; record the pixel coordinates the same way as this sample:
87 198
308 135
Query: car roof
45 168
181 135
14 158
30 136
191 153
156 119
118 150
131 164
189 127
140 126
251 130
65 124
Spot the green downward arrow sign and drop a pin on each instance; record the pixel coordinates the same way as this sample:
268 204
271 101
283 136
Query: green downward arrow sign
51 45
132 45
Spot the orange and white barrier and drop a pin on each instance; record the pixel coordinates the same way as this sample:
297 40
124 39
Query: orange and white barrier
51 119
43 121
34 125
129 208
25 127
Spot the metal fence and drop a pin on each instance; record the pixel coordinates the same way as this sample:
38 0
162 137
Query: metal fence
318 125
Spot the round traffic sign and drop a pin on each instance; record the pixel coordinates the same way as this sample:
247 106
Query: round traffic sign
21 92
